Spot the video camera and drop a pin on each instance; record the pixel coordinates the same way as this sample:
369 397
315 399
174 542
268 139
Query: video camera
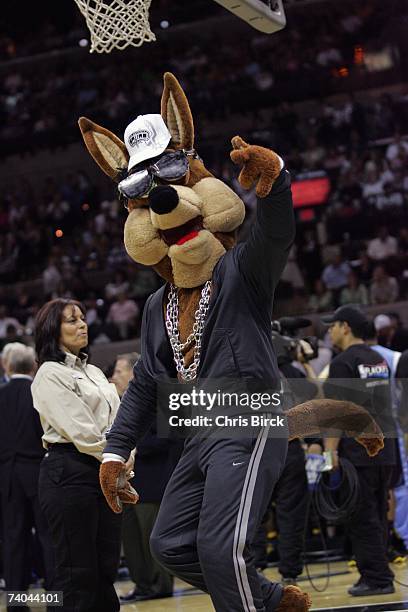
287 346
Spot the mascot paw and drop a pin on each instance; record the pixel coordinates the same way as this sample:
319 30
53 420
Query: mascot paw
372 445
114 485
260 165
294 600
128 495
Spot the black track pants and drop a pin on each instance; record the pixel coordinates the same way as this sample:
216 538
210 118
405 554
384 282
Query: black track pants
210 512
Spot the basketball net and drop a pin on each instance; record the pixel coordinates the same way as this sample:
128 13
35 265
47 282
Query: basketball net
116 24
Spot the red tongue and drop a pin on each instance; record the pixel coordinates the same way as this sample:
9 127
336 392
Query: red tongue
187 237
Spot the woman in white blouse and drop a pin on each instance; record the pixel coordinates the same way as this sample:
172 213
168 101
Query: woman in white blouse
77 406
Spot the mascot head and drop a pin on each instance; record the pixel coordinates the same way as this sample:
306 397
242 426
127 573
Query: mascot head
181 218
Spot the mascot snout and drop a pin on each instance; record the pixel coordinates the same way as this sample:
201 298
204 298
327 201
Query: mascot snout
163 199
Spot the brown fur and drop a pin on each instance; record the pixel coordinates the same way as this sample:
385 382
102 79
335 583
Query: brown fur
197 172
144 243
176 113
107 147
294 600
115 486
260 165
333 417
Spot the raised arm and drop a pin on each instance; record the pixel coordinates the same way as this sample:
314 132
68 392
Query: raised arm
264 254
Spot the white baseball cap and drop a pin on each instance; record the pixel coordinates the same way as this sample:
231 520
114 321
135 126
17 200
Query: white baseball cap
147 136
381 321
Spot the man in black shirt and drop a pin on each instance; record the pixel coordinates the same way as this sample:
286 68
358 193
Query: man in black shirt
369 387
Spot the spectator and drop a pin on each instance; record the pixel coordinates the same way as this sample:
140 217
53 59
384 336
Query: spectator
5 360
123 314
21 453
403 241
322 298
382 247
392 198
119 285
291 273
399 338
335 274
384 329
51 278
384 288
310 257
355 292
12 335
6 322
155 460
396 147
372 185
365 269
366 527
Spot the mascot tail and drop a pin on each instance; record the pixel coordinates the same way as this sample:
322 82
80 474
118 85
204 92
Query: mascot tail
333 418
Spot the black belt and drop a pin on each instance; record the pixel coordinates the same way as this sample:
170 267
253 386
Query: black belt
63 446
69 447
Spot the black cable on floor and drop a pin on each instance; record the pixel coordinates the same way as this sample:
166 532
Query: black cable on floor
322 501
326 586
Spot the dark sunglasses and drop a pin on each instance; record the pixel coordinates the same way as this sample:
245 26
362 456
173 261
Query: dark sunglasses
169 167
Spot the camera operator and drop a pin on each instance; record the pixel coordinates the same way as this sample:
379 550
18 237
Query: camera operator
291 491
367 527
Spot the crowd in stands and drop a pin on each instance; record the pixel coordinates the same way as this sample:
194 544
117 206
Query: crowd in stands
354 248
309 59
62 26
66 236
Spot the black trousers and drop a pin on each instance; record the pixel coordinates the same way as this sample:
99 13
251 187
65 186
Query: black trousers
86 534
20 512
146 573
211 510
291 499
291 496
368 527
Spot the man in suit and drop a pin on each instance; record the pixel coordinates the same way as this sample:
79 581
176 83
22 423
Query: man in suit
155 460
4 376
21 453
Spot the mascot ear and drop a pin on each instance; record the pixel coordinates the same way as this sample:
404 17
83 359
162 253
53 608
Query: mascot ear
176 113
108 150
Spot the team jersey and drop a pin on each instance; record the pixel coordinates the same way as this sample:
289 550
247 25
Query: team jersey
365 380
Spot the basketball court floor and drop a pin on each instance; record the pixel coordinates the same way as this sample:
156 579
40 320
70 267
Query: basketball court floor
334 599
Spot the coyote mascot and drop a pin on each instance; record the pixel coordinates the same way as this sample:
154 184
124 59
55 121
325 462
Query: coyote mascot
210 320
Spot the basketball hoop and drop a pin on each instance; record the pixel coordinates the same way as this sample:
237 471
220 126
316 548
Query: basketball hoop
116 24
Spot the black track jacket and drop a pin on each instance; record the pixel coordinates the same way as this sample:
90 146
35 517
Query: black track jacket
236 341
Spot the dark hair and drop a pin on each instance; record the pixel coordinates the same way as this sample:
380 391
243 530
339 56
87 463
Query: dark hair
360 329
370 331
48 329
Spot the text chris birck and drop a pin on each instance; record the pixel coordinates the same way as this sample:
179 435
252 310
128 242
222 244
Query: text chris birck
254 420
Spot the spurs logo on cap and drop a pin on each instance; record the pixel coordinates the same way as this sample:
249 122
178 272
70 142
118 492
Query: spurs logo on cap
146 137
142 137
